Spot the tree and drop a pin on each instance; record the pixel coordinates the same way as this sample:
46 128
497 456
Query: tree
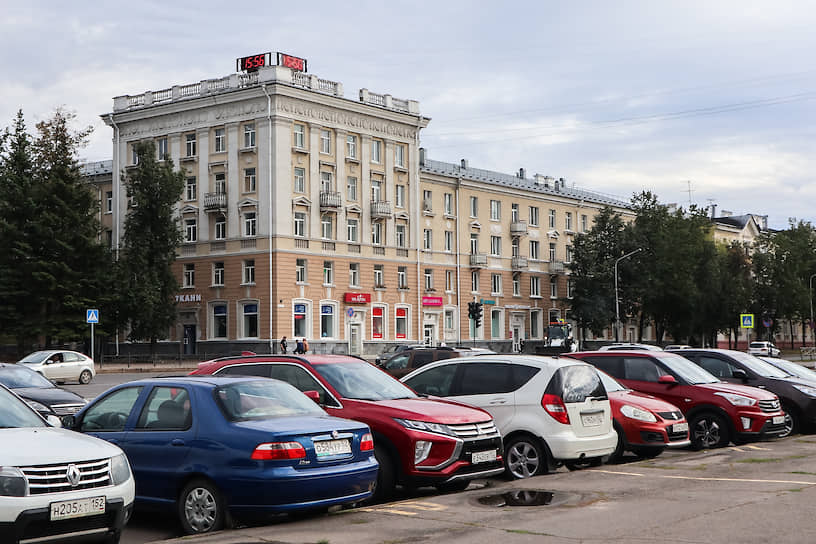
152 236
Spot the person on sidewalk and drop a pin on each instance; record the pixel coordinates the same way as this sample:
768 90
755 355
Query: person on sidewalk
299 346
283 345
305 346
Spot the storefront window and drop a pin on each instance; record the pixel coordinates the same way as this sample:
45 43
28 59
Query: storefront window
220 321
299 314
402 323
377 325
326 321
250 320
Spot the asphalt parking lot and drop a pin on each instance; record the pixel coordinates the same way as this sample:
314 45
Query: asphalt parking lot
759 492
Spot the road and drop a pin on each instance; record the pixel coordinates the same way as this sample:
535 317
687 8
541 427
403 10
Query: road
759 492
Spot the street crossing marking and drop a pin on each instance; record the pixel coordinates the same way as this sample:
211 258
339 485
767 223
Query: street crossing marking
397 508
704 479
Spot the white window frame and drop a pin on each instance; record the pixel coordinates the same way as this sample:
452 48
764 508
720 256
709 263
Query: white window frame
190 144
399 196
190 189
448 241
161 149
335 319
250 225
449 287
218 274
326 226
212 332
190 230
351 188
495 210
535 287
248 272
500 313
553 287
535 250
326 182
354 274
328 273
353 229
307 318
495 246
533 216
325 141
551 219
351 146
220 140
249 135
379 275
377 229
447 203
402 277
427 275
474 281
300 224
567 220
474 206
427 239
406 321
376 151
383 324
399 156
516 285
220 182
399 235
249 180
299 182
495 284
242 323
299 136
301 271
220 228
189 275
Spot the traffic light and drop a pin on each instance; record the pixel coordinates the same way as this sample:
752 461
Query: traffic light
472 310
478 314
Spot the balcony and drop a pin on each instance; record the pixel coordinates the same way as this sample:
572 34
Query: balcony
215 202
518 228
557 267
519 263
329 200
478 260
380 208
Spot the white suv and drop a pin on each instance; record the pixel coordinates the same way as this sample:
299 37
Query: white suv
763 348
549 411
56 484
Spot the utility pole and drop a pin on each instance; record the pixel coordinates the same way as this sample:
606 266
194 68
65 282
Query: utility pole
812 328
617 304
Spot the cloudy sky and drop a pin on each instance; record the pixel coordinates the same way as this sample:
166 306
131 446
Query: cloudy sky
698 101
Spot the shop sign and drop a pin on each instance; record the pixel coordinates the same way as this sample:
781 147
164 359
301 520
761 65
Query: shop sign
432 301
357 298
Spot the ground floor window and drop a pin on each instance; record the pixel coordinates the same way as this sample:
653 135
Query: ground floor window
327 320
401 323
219 321
496 324
249 311
377 322
300 320
535 323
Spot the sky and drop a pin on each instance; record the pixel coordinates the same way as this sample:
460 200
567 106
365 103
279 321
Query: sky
700 102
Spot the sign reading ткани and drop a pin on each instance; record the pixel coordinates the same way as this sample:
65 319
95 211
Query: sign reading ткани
253 62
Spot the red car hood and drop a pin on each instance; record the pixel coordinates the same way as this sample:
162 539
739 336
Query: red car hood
434 410
640 400
744 390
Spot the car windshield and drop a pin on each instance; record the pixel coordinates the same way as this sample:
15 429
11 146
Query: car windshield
16 413
610 383
684 368
362 381
36 357
794 369
16 377
758 366
267 399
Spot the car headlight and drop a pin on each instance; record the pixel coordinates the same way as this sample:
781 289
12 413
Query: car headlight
638 413
119 469
12 482
809 391
737 400
425 426
39 407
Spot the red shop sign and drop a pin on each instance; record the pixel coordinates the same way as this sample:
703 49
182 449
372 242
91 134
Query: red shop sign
432 301
357 298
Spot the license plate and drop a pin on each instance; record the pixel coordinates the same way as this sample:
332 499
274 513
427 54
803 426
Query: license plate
332 447
482 456
778 420
592 420
680 427
77 508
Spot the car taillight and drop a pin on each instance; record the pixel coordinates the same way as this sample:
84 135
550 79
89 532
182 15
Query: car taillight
556 408
367 442
273 451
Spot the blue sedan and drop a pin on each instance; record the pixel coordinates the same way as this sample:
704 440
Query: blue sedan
208 446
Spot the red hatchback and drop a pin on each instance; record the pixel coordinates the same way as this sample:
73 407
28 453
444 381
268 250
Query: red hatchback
645 424
418 441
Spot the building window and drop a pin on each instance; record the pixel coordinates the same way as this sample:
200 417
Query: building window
327 312
300 180
354 275
376 190
377 233
449 280
534 250
109 201
402 277
568 256
449 321
249 135
249 180
495 284
353 230
428 279
584 222
401 323
516 285
399 231
570 288
399 156
514 213
190 140
300 319
218 274
300 271
535 323
189 275
221 183
326 184
325 141
377 322
495 210
474 281
427 239
427 201
399 196
190 192
568 221
447 200
219 321
496 326
554 287
379 276
514 247
250 320
474 243
449 240
220 140
474 206
535 286
190 230
326 227
351 146
495 245
328 273
351 188
551 222
249 272
220 228
300 136
533 216
552 253
300 224
376 151
249 224
161 149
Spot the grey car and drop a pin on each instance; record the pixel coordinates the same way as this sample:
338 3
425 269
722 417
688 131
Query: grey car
61 366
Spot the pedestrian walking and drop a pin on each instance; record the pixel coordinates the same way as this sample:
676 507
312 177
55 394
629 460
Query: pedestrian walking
305 345
283 345
299 346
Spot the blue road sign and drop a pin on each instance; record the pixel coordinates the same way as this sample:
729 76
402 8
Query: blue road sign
747 321
350 312
92 316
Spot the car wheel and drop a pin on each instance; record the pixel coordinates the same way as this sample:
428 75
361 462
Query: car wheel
708 430
524 456
200 508
791 421
647 452
386 475
85 377
616 455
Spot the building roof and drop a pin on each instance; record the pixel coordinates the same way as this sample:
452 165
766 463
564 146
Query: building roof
96 168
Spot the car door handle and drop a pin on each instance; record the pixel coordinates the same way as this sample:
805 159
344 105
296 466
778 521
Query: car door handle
498 401
177 442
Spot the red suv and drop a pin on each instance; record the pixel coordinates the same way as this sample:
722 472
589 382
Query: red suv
717 412
418 441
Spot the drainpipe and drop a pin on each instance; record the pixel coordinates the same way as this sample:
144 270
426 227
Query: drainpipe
272 304
115 182
458 265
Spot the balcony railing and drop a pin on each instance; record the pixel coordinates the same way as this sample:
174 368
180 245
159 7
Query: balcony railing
380 208
557 267
518 228
519 263
378 250
215 202
328 246
478 260
329 199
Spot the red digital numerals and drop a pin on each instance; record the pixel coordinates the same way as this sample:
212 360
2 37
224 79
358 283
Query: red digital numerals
294 63
254 62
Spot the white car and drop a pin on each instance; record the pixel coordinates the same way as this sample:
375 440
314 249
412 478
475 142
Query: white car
61 365
629 346
56 484
763 348
548 410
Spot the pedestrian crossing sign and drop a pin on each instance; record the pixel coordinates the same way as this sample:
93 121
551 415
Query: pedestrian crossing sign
747 321
92 316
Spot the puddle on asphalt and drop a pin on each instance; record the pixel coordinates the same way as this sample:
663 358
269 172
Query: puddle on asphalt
524 497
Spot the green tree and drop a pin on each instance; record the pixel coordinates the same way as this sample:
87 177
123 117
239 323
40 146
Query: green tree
152 236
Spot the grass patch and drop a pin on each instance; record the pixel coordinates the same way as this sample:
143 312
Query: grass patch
759 460
523 532
802 472
359 521
795 490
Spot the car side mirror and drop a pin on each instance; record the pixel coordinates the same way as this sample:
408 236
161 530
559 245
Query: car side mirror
667 379
314 395
55 421
739 374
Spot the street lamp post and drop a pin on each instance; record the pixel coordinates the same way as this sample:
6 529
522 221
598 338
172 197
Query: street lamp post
812 328
617 304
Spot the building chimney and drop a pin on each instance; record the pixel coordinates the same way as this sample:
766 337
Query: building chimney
713 211
464 164
521 173
422 156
